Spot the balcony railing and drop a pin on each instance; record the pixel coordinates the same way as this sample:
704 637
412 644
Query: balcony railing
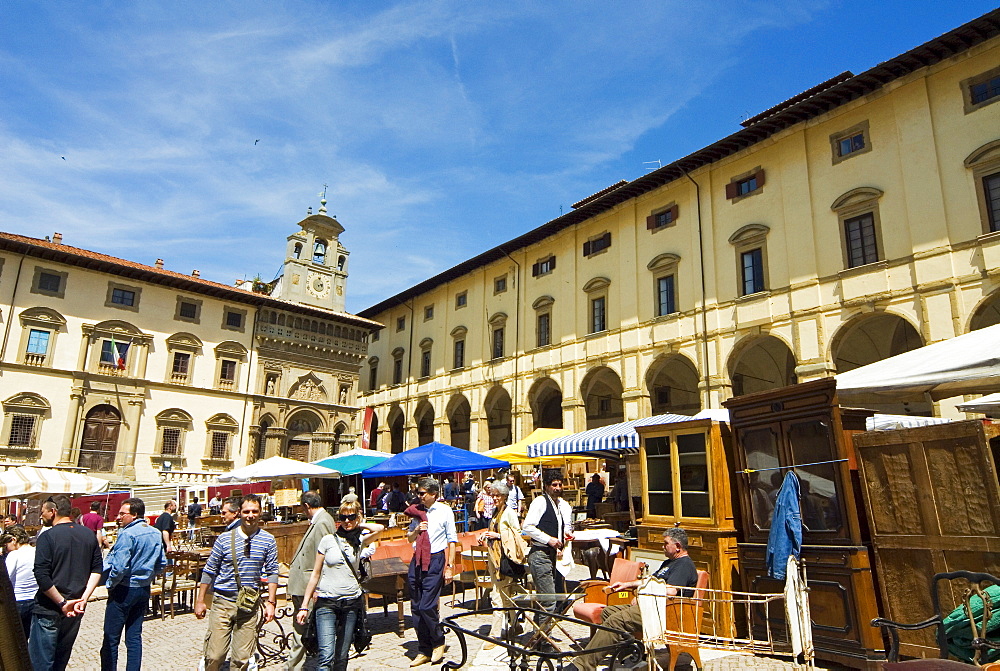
179 378
34 359
110 369
226 384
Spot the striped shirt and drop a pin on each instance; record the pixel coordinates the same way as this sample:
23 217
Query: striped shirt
260 564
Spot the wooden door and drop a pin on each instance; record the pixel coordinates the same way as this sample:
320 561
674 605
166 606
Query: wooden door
298 449
100 439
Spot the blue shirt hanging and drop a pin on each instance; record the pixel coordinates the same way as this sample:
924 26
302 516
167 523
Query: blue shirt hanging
786 528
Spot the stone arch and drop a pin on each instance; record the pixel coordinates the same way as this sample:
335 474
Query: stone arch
373 432
987 313
118 326
759 363
459 413
672 383
869 338
27 401
499 422
300 426
397 428
265 422
40 315
601 391
545 400
424 418
338 433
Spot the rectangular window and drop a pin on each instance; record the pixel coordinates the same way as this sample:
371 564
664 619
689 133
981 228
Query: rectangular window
500 285
862 248
220 445
544 330
375 335
227 371
171 442
428 312
459 354
663 218
123 297
234 319
425 363
744 186
665 296
22 431
598 315
498 343
849 145
397 371
49 282
400 323
543 267
461 300
752 270
991 188
38 342
188 310
180 367
114 357
373 377
983 91
591 247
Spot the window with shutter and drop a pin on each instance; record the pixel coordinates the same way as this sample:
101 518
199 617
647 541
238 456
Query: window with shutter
744 185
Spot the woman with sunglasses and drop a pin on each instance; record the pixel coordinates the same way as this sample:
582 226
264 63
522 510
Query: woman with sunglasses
334 581
502 538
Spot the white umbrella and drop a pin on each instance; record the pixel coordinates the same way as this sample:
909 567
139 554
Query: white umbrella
25 480
276 468
990 403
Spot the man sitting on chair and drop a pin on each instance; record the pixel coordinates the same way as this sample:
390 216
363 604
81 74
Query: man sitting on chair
678 570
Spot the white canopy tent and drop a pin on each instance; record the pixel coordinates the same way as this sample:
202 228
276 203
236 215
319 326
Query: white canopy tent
989 403
965 364
25 480
277 468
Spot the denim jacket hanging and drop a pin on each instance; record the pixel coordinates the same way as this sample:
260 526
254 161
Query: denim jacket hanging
786 528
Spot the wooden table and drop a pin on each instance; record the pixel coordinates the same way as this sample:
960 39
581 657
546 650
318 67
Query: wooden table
387 580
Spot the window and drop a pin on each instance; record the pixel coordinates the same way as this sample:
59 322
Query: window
22 431
461 299
860 238
543 330
114 355
428 312
49 282
459 358
665 299
22 422
662 218
170 444
123 297
598 244
179 369
397 371
850 142
498 343
543 266
981 90
220 429
373 374
187 310
319 251
991 191
375 336
500 285
400 323
227 374
425 363
747 184
752 271
234 319
38 347
681 491
598 315
220 446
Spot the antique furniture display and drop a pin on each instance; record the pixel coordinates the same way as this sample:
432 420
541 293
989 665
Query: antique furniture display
802 427
933 505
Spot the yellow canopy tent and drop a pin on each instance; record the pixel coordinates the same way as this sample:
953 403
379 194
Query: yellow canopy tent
517 453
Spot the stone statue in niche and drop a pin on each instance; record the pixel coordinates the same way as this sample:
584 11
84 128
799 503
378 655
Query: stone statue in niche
344 391
270 385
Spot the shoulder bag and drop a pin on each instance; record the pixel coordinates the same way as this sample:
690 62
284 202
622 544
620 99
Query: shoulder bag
362 634
247 598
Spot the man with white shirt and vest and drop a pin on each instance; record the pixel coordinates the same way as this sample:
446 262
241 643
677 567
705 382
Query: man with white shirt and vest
241 558
320 524
430 569
549 524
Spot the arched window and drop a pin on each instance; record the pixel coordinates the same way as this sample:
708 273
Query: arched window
319 251
297 250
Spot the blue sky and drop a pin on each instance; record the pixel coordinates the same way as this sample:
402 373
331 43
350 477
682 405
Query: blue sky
442 128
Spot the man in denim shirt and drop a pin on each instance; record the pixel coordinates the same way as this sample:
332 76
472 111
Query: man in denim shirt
131 566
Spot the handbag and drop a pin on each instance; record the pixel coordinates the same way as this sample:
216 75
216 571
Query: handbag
310 637
362 634
247 598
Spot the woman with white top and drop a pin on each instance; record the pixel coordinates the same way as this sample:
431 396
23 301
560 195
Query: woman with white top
339 598
21 569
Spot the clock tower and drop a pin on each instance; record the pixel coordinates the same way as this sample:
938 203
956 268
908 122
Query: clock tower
316 263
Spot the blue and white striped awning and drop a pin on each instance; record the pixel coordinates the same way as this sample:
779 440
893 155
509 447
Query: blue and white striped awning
604 441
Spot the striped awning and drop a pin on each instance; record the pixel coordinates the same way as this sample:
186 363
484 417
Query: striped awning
25 480
605 441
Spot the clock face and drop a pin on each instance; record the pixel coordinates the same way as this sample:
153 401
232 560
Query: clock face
319 285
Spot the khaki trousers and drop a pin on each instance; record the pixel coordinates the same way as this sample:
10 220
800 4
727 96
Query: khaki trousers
296 653
230 633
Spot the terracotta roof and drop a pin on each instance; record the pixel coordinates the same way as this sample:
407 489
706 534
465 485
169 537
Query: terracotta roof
85 258
795 110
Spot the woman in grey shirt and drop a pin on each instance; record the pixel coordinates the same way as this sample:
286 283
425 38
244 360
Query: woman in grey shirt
333 582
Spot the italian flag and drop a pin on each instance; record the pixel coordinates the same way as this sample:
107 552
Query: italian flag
118 359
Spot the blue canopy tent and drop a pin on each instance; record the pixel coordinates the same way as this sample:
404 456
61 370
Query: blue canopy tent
433 458
353 461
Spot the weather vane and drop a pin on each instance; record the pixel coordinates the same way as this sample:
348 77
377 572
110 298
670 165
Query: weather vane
322 200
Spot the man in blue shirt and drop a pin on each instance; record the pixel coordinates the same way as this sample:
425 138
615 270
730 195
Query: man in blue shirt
131 566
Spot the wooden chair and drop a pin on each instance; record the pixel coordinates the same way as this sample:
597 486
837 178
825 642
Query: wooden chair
598 594
465 570
180 578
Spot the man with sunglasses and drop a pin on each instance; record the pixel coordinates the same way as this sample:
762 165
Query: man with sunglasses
321 523
430 571
254 553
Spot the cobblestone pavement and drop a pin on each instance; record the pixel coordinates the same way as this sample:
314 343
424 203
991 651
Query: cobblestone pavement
176 643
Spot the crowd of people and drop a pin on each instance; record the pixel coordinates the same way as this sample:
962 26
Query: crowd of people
54 578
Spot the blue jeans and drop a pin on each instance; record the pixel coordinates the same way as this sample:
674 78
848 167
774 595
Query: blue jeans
335 620
125 610
24 609
51 642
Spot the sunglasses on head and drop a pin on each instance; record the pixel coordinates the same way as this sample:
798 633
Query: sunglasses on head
348 518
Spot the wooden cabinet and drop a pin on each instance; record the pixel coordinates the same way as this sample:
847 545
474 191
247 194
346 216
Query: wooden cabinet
933 505
802 427
687 468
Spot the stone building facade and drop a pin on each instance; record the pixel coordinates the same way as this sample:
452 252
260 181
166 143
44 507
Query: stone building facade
852 222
